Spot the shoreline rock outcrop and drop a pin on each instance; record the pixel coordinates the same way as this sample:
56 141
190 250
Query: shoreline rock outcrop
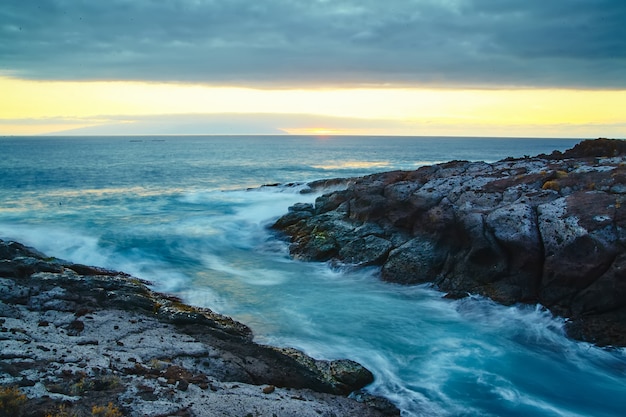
549 229
76 338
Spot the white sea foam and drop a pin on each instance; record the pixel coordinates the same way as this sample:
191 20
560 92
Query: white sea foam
62 243
245 273
78 246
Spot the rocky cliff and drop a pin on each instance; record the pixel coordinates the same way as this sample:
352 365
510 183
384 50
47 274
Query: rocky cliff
549 229
78 341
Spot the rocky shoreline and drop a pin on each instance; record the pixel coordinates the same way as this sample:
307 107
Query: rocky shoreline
549 229
77 340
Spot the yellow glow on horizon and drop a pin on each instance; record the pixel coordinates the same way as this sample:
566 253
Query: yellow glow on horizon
316 131
26 106
43 128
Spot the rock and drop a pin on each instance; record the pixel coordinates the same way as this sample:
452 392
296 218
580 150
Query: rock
339 376
578 250
604 295
382 404
350 375
595 148
516 232
293 217
368 250
78 338
549 229
417 261
75 328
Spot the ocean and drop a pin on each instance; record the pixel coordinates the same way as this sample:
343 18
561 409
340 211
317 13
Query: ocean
191 215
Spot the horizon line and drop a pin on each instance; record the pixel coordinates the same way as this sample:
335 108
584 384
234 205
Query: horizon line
53 135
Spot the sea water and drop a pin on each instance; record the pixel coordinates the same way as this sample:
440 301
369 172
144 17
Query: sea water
190 214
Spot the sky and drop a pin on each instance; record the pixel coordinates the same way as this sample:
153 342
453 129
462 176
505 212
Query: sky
532 68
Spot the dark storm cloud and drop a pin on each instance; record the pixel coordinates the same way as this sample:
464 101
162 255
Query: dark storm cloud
570 43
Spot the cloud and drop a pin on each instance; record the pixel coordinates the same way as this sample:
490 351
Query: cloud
217 124
306 124
292 43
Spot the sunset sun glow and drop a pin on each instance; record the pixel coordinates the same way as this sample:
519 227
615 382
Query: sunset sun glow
39 107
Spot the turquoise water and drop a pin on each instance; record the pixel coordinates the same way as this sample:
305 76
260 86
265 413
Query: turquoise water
187 213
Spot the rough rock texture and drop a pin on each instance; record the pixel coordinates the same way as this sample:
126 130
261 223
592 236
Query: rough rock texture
73 337
549 229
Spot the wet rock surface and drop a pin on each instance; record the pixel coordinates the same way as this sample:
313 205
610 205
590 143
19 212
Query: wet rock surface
75 337
549 229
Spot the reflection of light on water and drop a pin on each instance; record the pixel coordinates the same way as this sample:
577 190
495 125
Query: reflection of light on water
353 164
417 164
61 199
101 192
374 164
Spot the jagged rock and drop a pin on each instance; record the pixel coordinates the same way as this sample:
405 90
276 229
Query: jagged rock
549 229
340 376
417 261
368 250
595 148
